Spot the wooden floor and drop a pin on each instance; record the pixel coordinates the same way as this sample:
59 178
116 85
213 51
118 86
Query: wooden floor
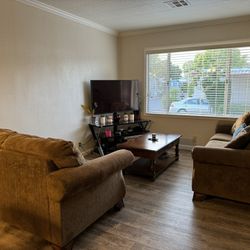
161 215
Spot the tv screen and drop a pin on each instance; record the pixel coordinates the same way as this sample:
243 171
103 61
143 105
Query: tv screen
108 96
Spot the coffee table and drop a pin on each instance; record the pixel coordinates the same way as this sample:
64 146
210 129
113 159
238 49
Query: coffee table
153 156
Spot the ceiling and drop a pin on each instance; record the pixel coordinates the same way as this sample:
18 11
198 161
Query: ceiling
124 15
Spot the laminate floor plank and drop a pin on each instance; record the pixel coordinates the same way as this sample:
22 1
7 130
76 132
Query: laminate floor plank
160 215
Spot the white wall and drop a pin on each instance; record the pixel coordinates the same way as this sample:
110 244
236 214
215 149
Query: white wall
132 46
46 63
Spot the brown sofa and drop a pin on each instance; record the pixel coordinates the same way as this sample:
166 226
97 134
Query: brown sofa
47 188
220 171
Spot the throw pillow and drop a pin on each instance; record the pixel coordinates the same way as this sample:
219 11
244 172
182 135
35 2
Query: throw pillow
247 147
239 129
241 140
245 118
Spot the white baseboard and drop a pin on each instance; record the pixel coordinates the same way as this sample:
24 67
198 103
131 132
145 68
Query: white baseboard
186 147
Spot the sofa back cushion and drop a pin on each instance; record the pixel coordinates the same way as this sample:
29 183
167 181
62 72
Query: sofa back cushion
63 153
221 137
4 134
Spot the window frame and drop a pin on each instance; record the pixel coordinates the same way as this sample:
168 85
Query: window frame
183 48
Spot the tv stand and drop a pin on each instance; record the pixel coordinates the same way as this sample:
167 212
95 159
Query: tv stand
120 132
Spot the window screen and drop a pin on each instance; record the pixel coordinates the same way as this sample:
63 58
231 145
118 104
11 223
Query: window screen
211 82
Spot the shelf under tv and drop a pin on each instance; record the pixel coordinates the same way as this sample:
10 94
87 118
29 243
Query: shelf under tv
120 132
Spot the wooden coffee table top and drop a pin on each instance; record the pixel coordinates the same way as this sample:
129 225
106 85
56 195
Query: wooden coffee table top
142 146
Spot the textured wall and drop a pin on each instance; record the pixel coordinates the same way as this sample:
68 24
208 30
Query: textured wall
46 63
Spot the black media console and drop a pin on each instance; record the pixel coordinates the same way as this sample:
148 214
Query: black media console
109 135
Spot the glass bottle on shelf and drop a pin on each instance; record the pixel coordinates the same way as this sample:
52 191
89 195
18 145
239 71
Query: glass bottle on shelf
102 120
125 117
131 117
116 117
109 119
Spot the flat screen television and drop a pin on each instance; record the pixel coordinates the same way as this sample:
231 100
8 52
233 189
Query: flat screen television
109 96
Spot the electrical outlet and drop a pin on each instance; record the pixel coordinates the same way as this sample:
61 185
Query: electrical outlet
80 144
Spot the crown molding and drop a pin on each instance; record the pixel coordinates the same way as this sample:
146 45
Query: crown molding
67 15
138 32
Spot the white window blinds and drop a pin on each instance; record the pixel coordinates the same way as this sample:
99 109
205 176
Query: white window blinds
211 82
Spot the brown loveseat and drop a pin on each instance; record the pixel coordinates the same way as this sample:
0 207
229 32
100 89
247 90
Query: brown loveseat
222 167
48 189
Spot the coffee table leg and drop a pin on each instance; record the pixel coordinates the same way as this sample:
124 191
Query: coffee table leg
177 151
152 168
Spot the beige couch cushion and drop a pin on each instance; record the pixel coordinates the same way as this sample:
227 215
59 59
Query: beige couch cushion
221 137
216 144
63 153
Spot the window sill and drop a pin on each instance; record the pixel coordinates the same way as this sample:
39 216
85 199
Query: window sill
196 117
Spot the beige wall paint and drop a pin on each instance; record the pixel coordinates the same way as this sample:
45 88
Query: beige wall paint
46 63
132 46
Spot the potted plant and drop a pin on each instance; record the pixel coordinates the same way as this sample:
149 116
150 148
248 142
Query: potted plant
90 111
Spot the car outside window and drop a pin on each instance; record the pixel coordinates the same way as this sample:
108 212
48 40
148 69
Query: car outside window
205 102
193 101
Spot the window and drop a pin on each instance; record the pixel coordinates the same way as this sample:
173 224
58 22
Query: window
210 82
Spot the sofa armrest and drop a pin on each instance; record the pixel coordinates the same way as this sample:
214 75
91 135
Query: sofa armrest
222 156
224 128
70 181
